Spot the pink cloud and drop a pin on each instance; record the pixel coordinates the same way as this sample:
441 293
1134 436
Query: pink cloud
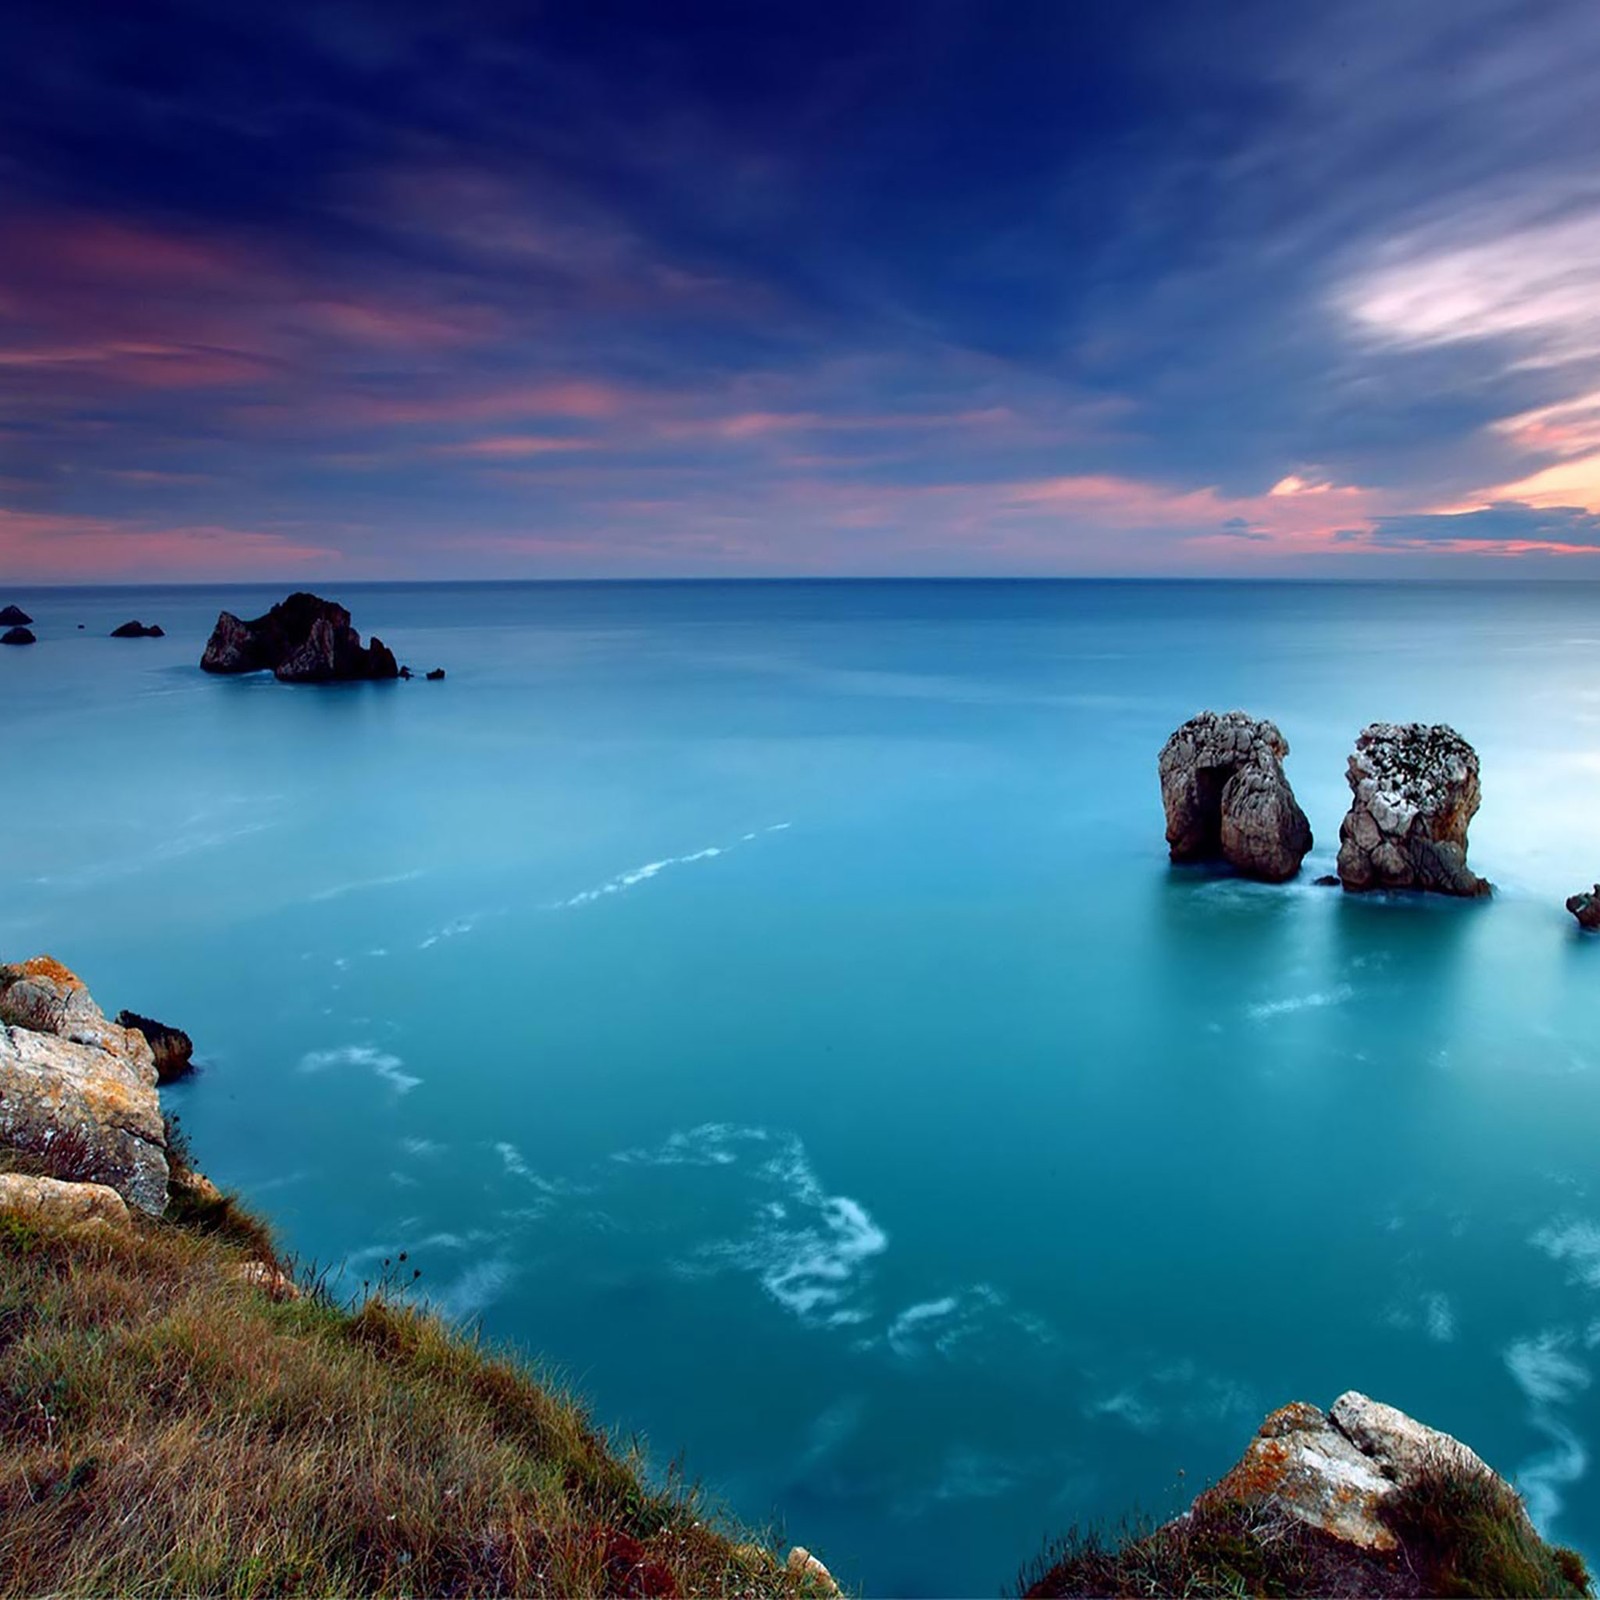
571 397
513 446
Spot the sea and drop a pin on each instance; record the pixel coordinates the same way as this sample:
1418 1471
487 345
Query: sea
769 1007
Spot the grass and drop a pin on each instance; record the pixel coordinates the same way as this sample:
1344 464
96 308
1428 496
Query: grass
168 1428
1459 1534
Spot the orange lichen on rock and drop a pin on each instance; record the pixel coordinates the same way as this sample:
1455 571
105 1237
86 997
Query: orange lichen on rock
48 967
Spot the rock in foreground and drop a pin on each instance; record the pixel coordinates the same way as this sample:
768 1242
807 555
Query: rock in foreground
1414 791
14 617
1226 796
78 1093
1360 1500
303 639
18 636
138 630
1585 906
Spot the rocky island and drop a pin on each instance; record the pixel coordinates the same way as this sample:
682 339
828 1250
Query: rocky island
304 639
14 617
138 630
18 635
1226 796
1414 789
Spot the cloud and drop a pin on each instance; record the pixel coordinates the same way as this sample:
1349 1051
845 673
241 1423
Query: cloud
1506 528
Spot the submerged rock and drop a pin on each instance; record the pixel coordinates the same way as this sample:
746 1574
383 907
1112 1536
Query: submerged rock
14 617
303 639
172 1048
1337 1471
1585 906
137 630
1414 791
1226 796
76 1091
18 636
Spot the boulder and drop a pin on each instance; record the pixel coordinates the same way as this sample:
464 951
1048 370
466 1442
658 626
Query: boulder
137 630
1336 1471
1414 790
14 617
55 1201
76 1091
811 1572
303 639
171 1047
1585 906
1226 796
18 636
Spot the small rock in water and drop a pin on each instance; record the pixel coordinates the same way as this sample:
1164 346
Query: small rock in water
1586 908
14 617
137 630
407 673
436 676
18 636
171 1047
1328 880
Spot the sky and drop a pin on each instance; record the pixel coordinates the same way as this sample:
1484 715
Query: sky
764 289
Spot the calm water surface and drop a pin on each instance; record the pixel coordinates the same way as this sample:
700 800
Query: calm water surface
772 1005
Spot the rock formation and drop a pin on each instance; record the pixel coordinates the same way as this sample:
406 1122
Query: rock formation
54 1200
14 617
18 636
1585 906
436 676
137 630
76 1091
1226 796
171 1047
303 639
1336 1471
1414 790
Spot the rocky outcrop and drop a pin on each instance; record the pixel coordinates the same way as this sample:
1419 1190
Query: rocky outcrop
1226 796
76 1091
172 1048
1414 791
14 617
54 1201
137 630
18 636
1337 1471
303 639
1585 906
436 676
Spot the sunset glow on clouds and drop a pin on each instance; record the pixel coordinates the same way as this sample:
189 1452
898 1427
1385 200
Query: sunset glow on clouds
380 294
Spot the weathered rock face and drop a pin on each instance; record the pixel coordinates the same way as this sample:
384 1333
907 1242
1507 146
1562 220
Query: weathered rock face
18 636
172 1048
77 1087
1336 1470
1585 906
54 1201
1414 791
137 630
14 617
303 639
1226 796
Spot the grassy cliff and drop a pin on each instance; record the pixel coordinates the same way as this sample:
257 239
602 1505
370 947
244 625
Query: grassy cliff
175 1418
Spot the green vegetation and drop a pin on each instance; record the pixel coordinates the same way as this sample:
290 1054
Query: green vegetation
1459 1534
170 1424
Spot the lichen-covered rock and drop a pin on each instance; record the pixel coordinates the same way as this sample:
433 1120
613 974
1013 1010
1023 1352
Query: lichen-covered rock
811 1571
1336 1470
1585 906
1226 796
1414 789
172 1048
76 1088
303 639
56 1201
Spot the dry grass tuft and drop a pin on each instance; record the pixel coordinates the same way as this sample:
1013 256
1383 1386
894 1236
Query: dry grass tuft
165 1428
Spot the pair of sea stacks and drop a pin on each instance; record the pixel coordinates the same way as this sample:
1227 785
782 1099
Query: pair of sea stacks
1414 790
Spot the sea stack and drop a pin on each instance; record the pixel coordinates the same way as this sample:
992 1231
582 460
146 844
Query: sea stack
14 617
1414 790
18 636
1585 906
1226 796
303 639
138 630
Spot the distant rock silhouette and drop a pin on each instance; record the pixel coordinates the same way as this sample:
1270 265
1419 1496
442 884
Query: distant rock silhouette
1226 796
137 630
1414 790
18 636
437 675
303 639
1585 906
14 617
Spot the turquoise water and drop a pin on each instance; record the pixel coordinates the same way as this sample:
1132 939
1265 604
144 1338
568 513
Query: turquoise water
772 1005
